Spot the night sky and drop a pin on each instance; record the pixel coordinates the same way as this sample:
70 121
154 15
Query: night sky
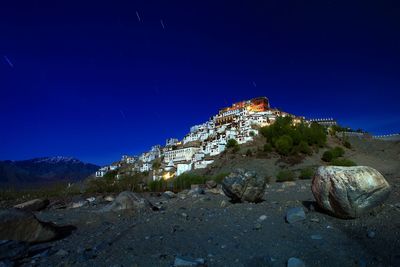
97 79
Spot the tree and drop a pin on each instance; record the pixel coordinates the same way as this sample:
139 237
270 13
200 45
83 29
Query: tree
231 143
284 145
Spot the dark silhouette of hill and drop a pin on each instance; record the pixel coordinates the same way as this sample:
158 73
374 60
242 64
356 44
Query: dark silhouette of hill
44 170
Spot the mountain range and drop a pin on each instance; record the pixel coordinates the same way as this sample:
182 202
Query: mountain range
44 171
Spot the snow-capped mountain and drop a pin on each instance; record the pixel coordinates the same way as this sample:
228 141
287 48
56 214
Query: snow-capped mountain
44 170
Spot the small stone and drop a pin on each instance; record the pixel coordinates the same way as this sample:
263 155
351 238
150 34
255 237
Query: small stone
186 261
295 262
257 226
169 194
316 237
262 218
184 215
62 253
371 234
295 215
223 204
109 198
316 220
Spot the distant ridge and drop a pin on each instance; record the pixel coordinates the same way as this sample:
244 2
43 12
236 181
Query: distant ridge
44 170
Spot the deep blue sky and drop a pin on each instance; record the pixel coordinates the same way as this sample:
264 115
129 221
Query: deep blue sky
88 79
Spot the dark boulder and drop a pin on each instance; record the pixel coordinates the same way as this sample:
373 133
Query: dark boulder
244 185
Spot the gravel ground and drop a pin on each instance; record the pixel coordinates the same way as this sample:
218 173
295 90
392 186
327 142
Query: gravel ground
241 234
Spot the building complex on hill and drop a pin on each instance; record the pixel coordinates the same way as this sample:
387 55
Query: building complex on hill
196 150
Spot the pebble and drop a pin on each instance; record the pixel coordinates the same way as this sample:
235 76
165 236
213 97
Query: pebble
62 253
186 261
295 215
316 237
257 226
295 262
262 218
223 204
371 234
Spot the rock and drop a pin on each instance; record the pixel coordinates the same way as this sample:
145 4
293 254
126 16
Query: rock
10 249
371 234
33 205
91 200
349 192
23 226
244 185
128 201
295 262
223 204
186 261
169 194
216 191
109 198
58 204
262 218
210 184
196 191
295 215
79 204
316 237
257 226
62 253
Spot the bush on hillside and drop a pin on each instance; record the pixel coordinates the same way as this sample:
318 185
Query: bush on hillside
306 173
231 143
327 156
300 134
285 176
284 145
332 154
337 152
343 162
303 148
347 144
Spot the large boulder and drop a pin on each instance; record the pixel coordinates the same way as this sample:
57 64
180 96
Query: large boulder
349 192
128 201
244 185
33 205
24 226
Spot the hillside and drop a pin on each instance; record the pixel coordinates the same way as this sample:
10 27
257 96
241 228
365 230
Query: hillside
40 171
381 155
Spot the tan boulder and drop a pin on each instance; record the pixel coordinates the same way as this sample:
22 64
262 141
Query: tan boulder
349 192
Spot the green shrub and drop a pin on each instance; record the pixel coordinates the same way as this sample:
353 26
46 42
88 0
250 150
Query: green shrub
284 145
304 148
313 135
285 175
219 177
252 133
343 162
236 149
306 173
232 143
337 152
327 156
347 144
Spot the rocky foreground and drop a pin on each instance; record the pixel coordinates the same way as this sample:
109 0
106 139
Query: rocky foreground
204 228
